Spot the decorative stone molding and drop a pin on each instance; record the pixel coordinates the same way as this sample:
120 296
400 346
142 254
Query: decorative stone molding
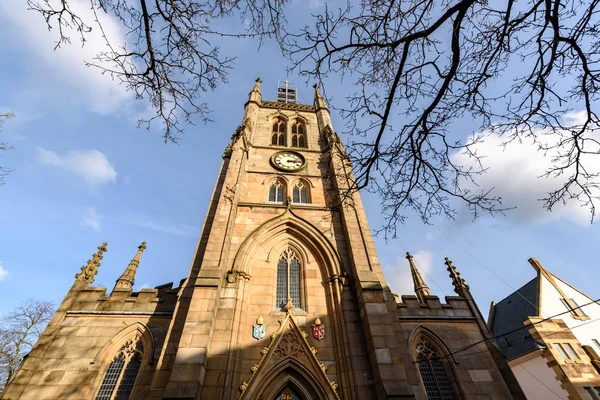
287 106
289 341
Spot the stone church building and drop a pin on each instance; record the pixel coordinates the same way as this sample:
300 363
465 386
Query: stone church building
285 298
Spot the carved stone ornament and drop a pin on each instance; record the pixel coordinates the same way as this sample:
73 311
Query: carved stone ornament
229 193
287 106
288 341
91 269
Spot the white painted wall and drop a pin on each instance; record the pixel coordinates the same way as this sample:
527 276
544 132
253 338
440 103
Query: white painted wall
551 304
538 381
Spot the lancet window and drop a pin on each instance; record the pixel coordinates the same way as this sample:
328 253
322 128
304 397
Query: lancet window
298 135
288 279
122 372
277 191
433 372
278 135
300 193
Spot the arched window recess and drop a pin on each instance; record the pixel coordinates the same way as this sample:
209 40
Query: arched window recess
300 193
277 191
298 134
288 279
278 133
122 371
433 370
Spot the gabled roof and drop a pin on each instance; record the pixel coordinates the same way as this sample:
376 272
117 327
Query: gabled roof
508 315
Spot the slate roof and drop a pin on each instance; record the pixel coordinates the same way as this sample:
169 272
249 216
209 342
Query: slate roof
509 314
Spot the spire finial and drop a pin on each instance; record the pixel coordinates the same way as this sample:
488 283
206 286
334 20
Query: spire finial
319 100
421 288
127 279
255 94
459 283
91 269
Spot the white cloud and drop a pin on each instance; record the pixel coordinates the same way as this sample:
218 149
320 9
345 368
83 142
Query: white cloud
91 219
64 73
515 172
3 272
91 165
430 236
398 274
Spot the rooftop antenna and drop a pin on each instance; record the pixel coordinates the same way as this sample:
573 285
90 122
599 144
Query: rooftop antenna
286 92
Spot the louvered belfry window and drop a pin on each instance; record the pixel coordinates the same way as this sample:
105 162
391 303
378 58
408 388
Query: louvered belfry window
288 279
122 372
433 372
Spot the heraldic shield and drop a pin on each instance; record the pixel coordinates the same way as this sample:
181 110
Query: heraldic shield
258 331
318 331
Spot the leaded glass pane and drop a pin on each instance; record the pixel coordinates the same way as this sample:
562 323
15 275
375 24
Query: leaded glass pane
294 129
295 140
300 129
288 394
428 379
300 140
442 380
295 282
131 371
296 194
281 139
282 283
435 379
110 379
281 127
274 139
303 198
272 191
280 193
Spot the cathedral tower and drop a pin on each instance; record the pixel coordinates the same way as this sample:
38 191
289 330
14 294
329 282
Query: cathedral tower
285 297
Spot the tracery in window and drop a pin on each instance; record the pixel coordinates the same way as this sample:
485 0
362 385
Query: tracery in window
278 135
122 372
300 193
298 135
433 372
288 279
277 191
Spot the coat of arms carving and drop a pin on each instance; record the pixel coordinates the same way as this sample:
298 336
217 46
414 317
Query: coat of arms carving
259 329
318 329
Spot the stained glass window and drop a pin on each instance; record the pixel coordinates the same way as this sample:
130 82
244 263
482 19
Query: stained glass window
433 372
288 394
122 372
288 279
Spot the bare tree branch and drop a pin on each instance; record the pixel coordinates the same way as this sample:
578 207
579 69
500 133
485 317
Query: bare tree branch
19 330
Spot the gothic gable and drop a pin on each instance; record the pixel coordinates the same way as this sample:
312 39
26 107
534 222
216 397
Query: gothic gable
289 362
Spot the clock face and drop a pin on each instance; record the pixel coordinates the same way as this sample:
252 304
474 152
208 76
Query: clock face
288 161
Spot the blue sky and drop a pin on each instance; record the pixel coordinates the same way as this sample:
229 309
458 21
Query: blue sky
85 174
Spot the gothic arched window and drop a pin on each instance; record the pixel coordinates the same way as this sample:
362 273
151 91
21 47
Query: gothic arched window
277 191
122 372
298 136
278 135
433 372
288 279
300 193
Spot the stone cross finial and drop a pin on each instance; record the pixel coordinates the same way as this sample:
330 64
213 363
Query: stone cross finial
458 282
91 269
421 288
